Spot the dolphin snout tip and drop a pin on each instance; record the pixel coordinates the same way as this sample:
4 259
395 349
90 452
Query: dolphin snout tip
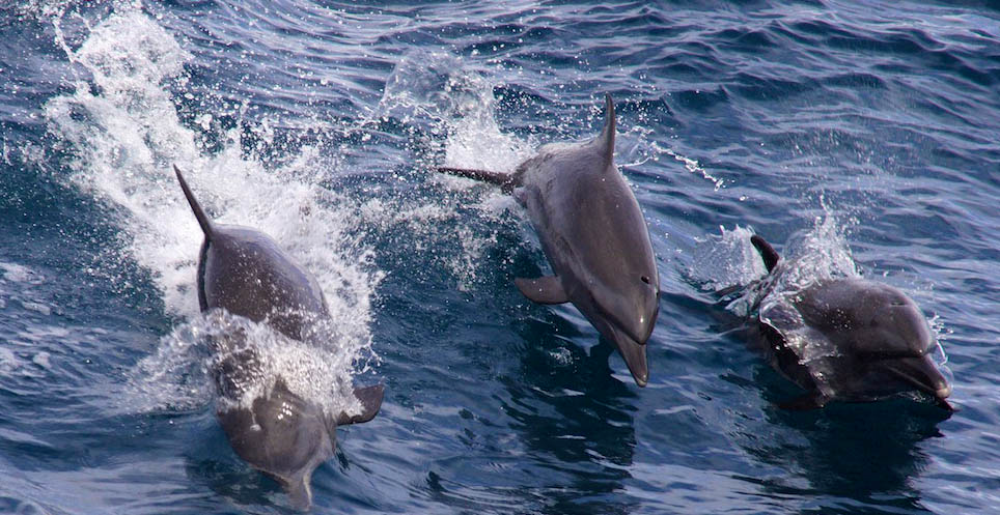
634 354
943 391
641 377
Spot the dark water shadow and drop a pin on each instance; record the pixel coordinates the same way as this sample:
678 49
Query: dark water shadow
575 417
846 457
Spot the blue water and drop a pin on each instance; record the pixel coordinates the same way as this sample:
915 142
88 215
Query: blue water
870 129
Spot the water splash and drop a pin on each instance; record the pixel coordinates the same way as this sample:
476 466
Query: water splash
820 253
456 102
178 375
691 165
729 262
814 255
452 110
122 128
726 260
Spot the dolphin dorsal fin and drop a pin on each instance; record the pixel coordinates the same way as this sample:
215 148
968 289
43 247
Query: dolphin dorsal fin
203 220
767 252
606 140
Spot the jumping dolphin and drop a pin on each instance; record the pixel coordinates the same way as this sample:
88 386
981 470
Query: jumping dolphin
847 339
594 236
244 272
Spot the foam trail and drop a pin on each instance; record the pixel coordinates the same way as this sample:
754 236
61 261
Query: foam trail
123 128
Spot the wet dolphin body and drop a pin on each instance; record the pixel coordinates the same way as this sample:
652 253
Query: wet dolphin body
848 339
594 236
244 272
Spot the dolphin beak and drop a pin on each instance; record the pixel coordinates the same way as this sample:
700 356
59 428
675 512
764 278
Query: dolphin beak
634 354
299 492
638 330
922 374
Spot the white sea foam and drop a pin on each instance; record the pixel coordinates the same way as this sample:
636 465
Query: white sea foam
16 273
727 259
809 256
456 106
458 103
123 129
819 254
185 359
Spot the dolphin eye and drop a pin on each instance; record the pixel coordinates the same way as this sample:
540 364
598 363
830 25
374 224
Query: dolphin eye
645 279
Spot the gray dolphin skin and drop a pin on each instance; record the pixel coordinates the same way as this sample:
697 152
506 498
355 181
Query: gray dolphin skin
244 272
848 340
594 236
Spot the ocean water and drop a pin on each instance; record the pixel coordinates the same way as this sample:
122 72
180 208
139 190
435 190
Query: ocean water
865 135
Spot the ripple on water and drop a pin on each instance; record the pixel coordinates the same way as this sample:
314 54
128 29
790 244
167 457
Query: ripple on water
874 135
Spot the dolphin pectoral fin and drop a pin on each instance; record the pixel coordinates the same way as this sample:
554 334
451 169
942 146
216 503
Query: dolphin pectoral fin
809 401
504 180
371 401
299 492
544 290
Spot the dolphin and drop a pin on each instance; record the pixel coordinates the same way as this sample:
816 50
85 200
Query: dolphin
594 236
850 340
245 273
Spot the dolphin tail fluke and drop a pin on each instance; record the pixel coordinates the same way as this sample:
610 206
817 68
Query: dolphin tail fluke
299 492
767 252
505 180
371 401
607 138
203 220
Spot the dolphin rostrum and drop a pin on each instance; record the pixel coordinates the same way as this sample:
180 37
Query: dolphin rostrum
245 273
594 236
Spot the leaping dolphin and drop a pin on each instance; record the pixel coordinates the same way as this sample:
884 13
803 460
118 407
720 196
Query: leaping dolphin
847 339
244 272
594 236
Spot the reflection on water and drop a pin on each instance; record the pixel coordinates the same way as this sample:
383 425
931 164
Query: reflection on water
867 452
575 417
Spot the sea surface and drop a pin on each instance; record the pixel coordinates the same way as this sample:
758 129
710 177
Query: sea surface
865 133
